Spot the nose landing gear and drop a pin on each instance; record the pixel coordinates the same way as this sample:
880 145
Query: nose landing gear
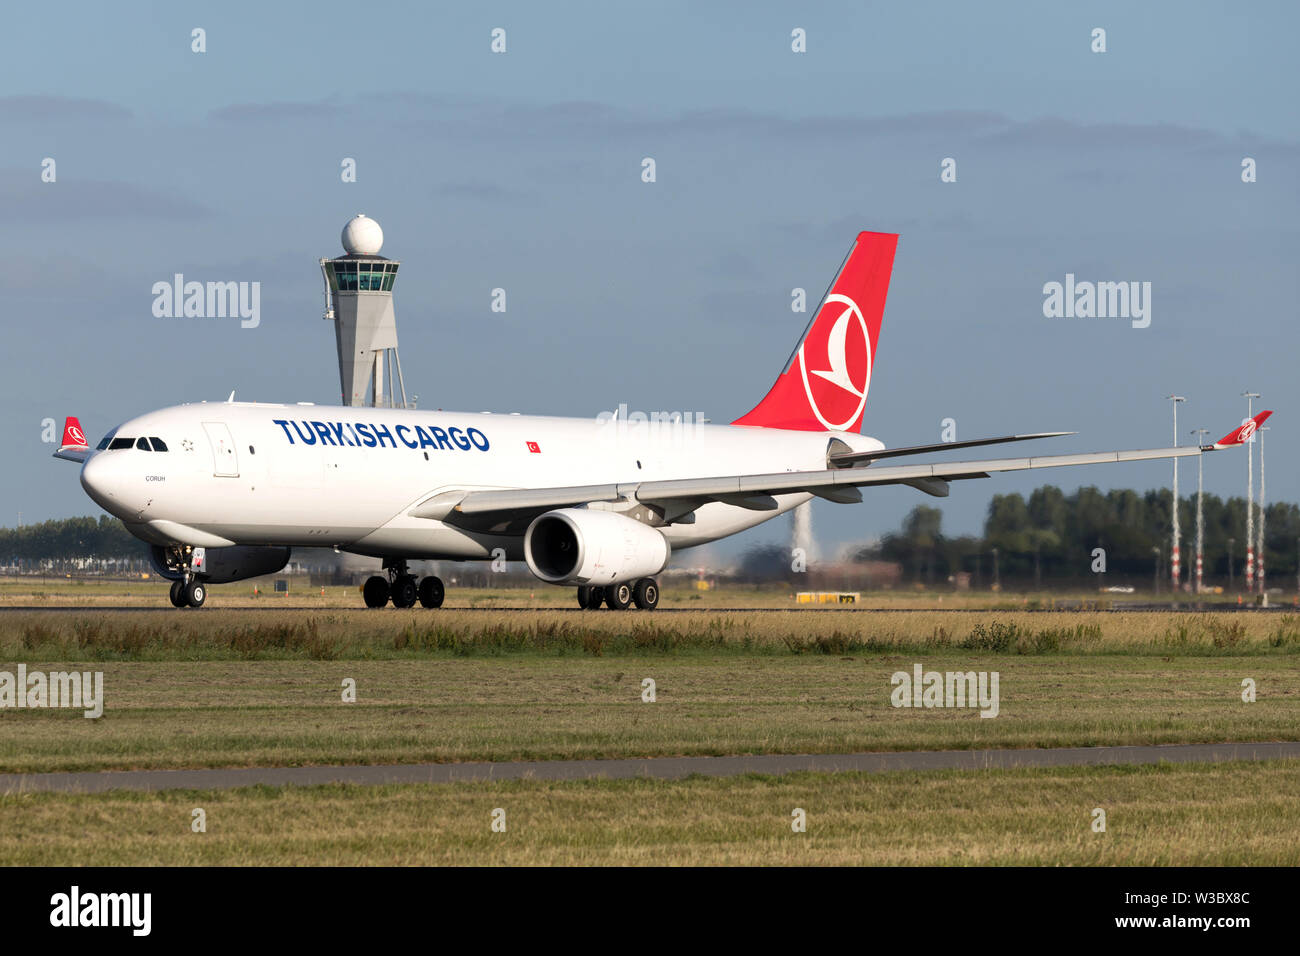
187 590
195 593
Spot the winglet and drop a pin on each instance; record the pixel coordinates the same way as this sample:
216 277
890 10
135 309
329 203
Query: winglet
74 446
1242 434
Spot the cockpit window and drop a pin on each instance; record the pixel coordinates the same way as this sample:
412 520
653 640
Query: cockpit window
158 444
103 442
143 444
120 443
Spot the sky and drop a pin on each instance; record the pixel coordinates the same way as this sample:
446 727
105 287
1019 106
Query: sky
522 171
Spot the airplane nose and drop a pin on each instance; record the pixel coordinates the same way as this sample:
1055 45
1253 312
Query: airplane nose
103 482
94 478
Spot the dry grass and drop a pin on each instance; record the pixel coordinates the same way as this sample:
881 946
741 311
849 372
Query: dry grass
1184 815
391 634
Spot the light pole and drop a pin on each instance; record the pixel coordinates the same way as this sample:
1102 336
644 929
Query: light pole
1250 495
1200 513
1259 552
1175 572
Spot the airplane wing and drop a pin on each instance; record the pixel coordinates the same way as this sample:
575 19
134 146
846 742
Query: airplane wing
846 458
503 511
74 446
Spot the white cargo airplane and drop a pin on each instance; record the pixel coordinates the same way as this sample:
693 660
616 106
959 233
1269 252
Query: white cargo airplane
223 491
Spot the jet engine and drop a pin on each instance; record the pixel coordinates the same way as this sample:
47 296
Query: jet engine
223 565
581 546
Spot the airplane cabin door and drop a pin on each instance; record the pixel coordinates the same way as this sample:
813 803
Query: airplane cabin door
225 462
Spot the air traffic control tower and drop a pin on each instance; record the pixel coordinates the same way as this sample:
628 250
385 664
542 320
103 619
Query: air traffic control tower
359 300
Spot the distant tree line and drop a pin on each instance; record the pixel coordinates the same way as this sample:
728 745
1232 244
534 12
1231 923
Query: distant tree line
1048 539
1052 537
69 539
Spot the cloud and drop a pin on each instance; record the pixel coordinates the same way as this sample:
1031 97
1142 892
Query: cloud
1053 131
29 109
25 199
585 126
71 275
276 112
481 190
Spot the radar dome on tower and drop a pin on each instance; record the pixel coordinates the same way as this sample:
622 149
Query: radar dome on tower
362 237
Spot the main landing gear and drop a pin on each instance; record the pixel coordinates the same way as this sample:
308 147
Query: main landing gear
619 597
402 588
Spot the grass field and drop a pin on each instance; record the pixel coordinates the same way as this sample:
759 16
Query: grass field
232 686
272 713
241 688
1225 814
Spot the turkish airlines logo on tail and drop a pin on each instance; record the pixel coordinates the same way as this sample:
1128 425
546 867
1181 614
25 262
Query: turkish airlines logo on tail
837 353
828 391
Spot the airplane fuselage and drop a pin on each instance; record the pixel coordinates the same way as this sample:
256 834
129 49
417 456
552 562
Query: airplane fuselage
347 478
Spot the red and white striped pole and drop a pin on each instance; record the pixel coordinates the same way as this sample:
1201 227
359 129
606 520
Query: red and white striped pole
1259 552
1250 495
1175 569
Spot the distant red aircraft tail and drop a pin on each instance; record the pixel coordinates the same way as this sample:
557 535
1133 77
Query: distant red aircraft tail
73 436
1243 434
74 446
824 386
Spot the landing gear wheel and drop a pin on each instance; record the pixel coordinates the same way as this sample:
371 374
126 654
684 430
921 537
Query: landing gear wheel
646 594
618 597
178 593
195 593
432 592
405 592
375 591
590 598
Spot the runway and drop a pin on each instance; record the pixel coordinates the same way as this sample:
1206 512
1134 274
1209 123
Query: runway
657 768
836 609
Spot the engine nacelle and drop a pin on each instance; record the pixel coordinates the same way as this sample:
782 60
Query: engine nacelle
223 565
581 546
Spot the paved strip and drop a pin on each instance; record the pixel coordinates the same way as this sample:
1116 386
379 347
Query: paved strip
803 609
659 768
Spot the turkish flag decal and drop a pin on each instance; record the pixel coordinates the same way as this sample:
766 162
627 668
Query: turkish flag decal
535 448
